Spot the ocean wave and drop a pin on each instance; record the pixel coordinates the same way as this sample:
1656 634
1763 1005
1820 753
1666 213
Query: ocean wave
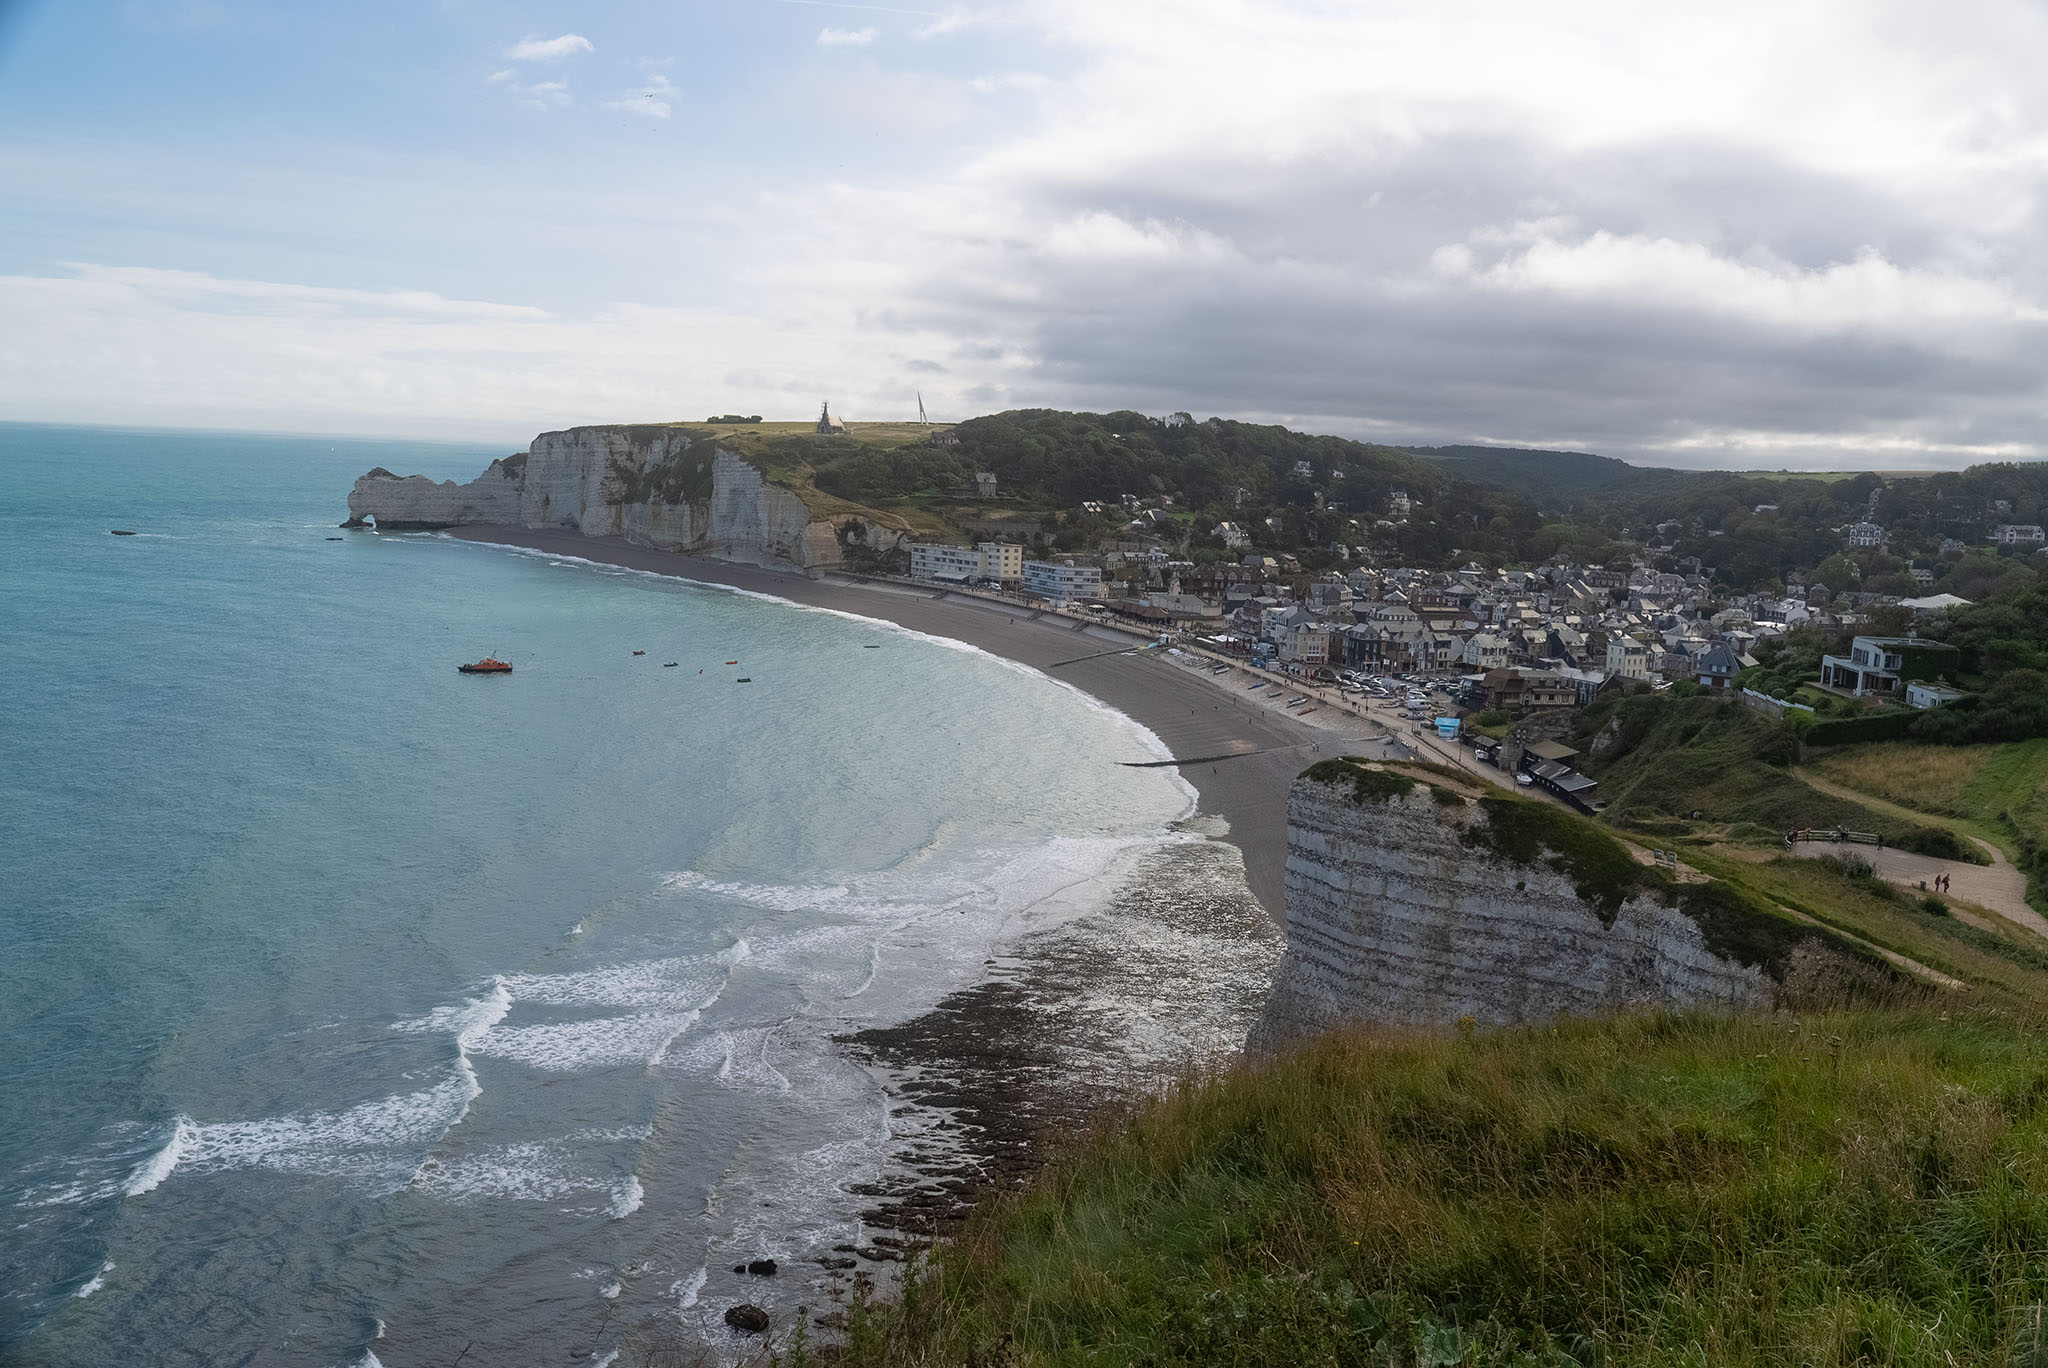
746 1059
599 1043
558 1170
99 1280
153 1170
636 983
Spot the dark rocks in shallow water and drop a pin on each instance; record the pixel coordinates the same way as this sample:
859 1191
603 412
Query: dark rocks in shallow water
746 1318
760 1268
836 1264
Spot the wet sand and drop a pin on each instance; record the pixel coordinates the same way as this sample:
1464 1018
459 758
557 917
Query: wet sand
1192 712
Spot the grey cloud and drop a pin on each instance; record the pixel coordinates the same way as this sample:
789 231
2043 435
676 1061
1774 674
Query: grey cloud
1326 306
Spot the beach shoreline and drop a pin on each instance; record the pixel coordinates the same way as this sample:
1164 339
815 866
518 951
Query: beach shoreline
1193 713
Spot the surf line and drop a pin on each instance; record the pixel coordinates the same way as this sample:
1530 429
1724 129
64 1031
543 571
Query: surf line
1212 759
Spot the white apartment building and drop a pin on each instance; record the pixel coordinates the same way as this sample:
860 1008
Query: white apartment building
1627 657
1865 534
2018 534
1060 583
989 560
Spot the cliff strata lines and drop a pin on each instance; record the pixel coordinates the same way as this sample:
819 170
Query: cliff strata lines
1414 900
655 486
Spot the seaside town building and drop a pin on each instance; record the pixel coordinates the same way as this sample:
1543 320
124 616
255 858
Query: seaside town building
1062 582
1874 664
999 561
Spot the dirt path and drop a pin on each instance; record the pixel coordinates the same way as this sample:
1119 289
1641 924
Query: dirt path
1997 887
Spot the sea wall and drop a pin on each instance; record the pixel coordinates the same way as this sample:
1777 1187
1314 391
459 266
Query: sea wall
1419 903
654 486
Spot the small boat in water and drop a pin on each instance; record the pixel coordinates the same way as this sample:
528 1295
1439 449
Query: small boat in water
122 532
639 653
670 664
488 665
744 679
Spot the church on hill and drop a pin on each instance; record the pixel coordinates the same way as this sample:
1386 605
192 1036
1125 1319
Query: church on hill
828 426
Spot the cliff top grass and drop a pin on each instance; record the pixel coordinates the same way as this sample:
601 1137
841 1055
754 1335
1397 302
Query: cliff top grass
1857 1188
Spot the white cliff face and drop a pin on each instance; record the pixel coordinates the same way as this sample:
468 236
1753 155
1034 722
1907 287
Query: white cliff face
415 501
1393 917
648 485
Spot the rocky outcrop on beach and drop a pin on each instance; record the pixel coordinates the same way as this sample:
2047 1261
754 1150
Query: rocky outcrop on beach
648 484
1416 897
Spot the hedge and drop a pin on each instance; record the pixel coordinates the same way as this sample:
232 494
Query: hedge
1891 726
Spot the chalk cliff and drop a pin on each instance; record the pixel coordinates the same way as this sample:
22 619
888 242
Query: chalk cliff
1414 898
656 486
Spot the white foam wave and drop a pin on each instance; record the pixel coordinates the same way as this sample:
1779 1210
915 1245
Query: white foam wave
573 1046
686 1289
746 1060
644 983
156 1168
99 1280
626 1198
775 897
606 1359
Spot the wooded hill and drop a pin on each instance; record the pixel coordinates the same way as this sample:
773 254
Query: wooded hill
1300 494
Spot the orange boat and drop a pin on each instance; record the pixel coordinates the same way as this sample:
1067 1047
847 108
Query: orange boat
488 665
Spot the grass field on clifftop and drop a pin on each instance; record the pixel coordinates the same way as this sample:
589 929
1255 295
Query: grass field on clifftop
1867 1188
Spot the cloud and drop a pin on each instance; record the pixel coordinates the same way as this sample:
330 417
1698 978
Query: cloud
838 37
537 95
531 49
188 348
651 100
1754 232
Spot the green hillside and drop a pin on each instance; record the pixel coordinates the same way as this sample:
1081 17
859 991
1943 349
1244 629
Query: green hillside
1825 1190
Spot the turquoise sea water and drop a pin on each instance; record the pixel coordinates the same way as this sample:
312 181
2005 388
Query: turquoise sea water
343 996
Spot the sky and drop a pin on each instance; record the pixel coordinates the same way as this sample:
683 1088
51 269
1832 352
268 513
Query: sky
1794 234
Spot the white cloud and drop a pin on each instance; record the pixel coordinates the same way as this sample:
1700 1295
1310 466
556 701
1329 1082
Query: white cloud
538 95
838 37
179 347
651 100
531 49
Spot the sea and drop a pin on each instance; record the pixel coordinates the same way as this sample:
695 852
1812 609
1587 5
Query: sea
354 1011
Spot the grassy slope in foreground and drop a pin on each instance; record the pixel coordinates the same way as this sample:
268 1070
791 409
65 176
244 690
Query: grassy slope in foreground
1859 1188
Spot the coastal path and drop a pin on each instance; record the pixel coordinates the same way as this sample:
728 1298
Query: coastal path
1996 887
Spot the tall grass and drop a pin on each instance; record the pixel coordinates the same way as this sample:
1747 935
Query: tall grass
1926 778
1847 1189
